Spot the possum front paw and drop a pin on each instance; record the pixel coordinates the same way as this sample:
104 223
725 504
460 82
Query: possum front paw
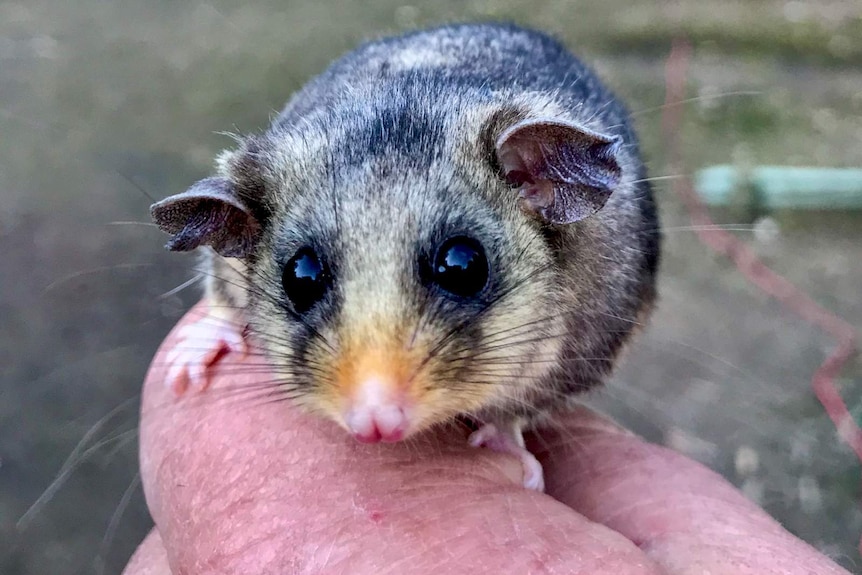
200 345
512 443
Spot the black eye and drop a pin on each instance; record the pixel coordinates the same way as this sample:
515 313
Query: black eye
461 267
304 279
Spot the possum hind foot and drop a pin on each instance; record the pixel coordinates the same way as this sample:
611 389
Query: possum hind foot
512 443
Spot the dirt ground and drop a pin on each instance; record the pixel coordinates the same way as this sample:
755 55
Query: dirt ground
104 106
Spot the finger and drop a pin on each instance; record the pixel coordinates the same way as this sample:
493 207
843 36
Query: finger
265 489
150 558
686 517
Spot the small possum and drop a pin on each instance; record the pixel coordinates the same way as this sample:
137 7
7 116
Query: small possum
452 223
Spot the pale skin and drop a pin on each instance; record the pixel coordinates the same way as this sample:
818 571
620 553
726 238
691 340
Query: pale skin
243 486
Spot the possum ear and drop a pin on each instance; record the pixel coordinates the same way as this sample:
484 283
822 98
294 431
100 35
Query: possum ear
208 213
565 173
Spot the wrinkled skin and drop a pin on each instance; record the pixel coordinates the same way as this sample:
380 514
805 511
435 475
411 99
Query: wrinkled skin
247 487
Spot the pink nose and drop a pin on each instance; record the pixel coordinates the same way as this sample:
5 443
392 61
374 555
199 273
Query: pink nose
383 424
375 414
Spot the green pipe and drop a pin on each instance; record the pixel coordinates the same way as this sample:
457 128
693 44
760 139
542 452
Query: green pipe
776 187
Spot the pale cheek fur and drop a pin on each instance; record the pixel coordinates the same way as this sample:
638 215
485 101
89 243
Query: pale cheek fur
522 355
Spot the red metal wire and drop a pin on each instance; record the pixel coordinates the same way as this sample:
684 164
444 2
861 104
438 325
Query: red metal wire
750 265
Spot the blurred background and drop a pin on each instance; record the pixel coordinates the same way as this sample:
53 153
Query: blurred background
105 106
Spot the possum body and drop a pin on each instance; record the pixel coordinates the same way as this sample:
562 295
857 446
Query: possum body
453 222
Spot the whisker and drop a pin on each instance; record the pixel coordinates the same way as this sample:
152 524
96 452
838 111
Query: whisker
132 223
695 99
182 286
100 560
72 463
58 282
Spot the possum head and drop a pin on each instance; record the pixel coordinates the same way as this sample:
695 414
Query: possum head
392 284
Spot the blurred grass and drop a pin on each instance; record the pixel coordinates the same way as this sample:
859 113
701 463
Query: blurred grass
103 103
182 68
808 42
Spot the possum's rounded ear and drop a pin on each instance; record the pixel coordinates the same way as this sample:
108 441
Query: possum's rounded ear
208 213
565 173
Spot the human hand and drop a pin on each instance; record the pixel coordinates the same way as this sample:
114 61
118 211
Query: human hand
242 485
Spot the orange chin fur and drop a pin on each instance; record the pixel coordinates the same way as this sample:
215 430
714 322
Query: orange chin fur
388 359
388 364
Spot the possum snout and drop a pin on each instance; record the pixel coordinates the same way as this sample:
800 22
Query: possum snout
378 411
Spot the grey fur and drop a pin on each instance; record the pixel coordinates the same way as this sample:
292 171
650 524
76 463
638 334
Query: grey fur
390 151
